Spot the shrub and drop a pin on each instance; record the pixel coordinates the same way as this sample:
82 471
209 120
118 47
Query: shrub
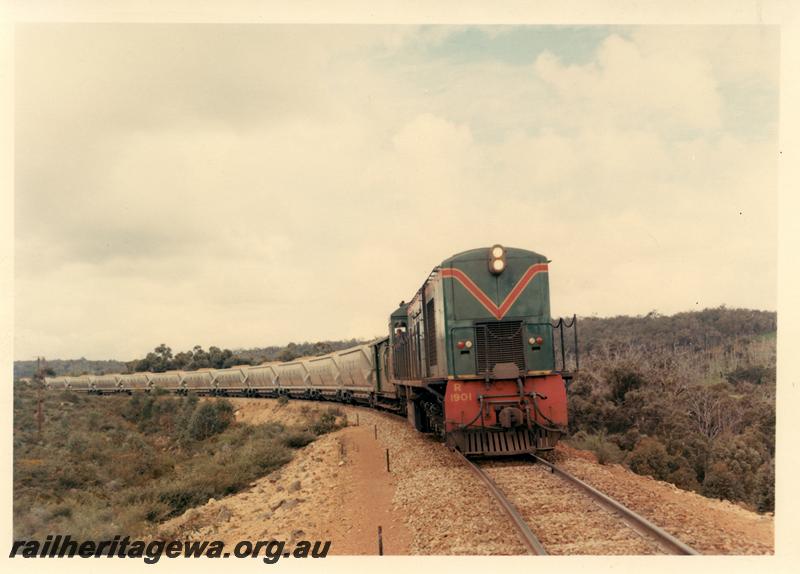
588 405
210 419
720 482
61 511
283 400
623 379
684 477
131 517
177 497
627 440
756 374
609 453
324 424
70 396
606 451
650 457
298 439
77 443
261 457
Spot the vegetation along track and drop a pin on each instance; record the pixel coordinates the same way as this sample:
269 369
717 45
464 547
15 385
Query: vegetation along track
578 519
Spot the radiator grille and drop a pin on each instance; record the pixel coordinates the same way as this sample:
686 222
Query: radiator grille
499 342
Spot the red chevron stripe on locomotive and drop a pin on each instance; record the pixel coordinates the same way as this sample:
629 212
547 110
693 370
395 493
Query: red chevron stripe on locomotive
511 298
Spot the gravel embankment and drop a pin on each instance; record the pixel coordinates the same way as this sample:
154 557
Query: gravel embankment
709 526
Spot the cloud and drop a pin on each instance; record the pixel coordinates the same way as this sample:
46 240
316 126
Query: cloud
632 84
246 185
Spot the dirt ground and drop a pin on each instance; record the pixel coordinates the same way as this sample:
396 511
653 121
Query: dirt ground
337 488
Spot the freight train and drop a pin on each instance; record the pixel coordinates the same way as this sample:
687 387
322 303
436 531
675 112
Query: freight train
472 357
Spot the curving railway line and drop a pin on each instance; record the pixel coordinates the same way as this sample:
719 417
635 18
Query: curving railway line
577 502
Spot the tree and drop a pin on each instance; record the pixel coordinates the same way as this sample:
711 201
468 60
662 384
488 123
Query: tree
290 353
623 379
713 411
163 352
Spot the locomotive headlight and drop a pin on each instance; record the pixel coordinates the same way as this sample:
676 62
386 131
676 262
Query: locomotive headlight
497 259
468 344
532 341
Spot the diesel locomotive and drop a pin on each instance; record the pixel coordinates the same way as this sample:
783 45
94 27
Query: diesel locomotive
471 357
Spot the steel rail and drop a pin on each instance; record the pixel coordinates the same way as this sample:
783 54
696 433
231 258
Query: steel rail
635 521
529 539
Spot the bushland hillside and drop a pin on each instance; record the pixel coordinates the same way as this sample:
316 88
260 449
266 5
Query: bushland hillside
688 399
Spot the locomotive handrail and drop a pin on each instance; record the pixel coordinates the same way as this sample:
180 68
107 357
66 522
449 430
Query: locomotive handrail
562 324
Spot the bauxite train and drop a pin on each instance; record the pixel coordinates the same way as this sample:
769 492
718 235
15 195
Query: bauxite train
471 357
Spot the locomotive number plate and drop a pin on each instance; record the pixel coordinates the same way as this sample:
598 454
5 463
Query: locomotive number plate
457 395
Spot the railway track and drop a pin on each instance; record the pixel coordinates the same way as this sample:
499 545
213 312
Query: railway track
640 524
528 538
645 537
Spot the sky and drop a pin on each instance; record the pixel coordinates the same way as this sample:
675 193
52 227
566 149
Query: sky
246 185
